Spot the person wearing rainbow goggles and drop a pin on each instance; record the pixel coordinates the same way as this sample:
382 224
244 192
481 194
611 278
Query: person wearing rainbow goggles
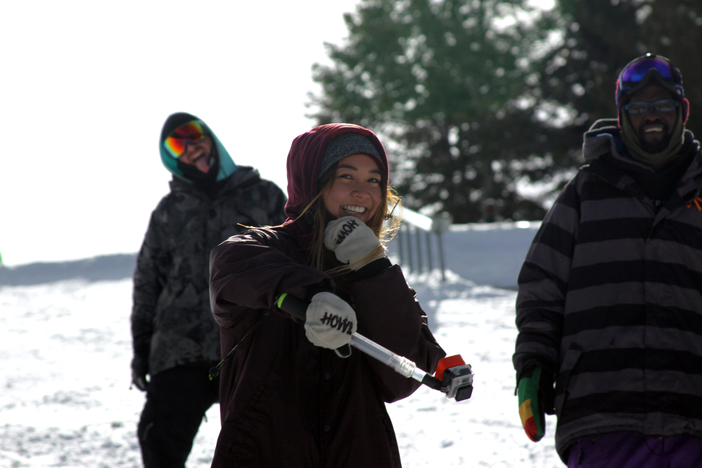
175 338
609 307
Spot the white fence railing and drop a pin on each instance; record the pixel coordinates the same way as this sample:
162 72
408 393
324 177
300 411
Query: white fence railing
419 242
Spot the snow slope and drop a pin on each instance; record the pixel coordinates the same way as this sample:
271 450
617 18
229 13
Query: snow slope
65 351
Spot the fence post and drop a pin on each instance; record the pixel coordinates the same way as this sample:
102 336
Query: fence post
400 245
440 224
418 236
413 223
430 260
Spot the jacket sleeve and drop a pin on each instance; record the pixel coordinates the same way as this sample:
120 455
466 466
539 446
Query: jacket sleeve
149 280
248 271
543 283
389 314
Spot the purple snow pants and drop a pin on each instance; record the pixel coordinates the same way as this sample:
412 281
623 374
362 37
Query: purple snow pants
628 450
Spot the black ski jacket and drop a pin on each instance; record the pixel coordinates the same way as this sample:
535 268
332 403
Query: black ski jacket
285 402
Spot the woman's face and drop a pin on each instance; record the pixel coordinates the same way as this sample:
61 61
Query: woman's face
356 189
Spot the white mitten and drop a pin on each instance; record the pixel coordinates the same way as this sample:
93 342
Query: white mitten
351 240
330 321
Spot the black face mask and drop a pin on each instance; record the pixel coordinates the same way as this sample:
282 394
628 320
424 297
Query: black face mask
206 181
659 157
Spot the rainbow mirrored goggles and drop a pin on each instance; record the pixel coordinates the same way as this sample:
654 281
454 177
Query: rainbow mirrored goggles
177 141
637 73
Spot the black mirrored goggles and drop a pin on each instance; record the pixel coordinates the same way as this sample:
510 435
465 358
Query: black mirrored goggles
637 73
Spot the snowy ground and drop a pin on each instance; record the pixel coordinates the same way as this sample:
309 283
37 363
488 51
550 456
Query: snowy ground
64 371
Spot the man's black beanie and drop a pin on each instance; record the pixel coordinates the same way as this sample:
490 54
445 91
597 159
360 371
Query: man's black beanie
174 121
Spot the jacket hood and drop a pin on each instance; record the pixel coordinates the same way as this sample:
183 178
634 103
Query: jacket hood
305 158
226 163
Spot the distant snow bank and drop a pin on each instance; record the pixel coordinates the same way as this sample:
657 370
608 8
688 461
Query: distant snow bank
489 254
486 254
101 268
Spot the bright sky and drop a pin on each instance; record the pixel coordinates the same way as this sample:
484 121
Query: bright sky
87 85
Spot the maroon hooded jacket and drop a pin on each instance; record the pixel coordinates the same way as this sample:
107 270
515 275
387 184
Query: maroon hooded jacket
285 402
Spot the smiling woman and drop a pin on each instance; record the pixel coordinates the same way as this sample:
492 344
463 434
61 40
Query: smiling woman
295 391
355 189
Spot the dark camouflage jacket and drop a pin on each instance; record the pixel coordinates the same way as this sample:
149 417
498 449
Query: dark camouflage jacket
172 323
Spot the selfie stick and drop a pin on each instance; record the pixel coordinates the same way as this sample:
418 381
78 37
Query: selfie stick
453 376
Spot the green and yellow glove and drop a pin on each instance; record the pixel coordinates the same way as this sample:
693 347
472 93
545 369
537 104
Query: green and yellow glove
531 408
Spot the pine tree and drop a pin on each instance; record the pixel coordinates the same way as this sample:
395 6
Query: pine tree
445 83
476 98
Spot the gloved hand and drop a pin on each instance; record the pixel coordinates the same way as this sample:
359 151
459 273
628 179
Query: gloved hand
352 241
330 321
140 367
533 402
